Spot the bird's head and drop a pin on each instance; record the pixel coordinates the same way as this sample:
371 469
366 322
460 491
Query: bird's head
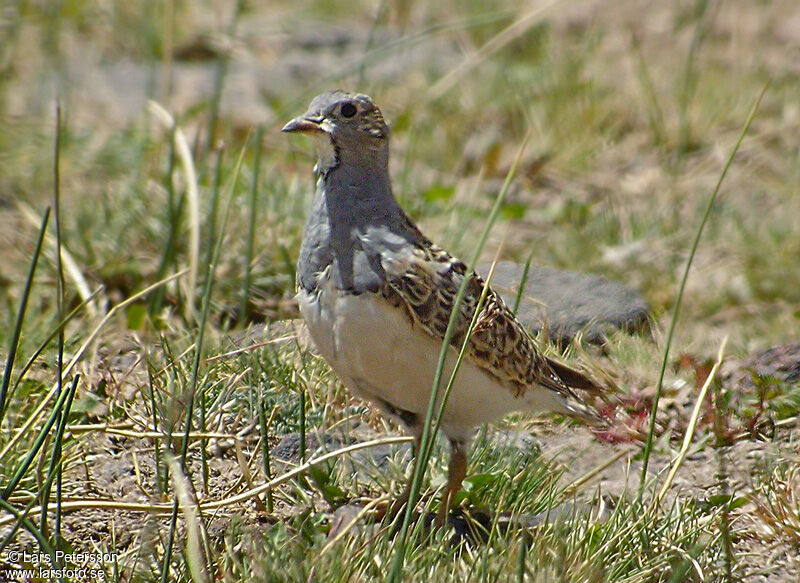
346 126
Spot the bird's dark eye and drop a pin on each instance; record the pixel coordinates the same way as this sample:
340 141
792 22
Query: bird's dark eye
348 110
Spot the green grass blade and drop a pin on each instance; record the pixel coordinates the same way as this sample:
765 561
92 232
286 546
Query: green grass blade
522 282
160 468
263 426
251 227
31 528
677 307
26 292
211 227
193 380
428 434
56 466
37 444
174 219
56 463
14 529
41 348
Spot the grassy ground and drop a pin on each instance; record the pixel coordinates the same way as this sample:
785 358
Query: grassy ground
178 249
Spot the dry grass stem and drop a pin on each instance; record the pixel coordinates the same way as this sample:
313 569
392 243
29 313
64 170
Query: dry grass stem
690 429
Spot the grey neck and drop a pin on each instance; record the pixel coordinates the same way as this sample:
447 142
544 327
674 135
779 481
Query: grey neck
354 220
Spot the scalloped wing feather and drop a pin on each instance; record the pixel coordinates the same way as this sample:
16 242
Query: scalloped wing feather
425 283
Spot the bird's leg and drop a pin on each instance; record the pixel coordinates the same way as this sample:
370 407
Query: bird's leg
456 471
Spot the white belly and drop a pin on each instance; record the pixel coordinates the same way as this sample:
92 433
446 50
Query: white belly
378 355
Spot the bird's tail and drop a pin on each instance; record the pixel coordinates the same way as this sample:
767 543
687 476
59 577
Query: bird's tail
575 406
575 379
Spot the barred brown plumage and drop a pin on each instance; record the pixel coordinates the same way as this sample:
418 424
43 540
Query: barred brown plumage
426 284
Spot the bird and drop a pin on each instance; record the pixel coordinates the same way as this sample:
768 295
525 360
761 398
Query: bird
377 295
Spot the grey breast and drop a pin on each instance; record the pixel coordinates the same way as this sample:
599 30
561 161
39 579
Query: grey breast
352 226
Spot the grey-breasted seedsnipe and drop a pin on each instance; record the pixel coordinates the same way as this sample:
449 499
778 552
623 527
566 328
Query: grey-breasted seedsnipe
377 296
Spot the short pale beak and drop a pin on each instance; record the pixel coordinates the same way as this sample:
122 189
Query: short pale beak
303 124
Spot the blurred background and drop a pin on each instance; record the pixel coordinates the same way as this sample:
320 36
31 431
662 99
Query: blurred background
633 106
